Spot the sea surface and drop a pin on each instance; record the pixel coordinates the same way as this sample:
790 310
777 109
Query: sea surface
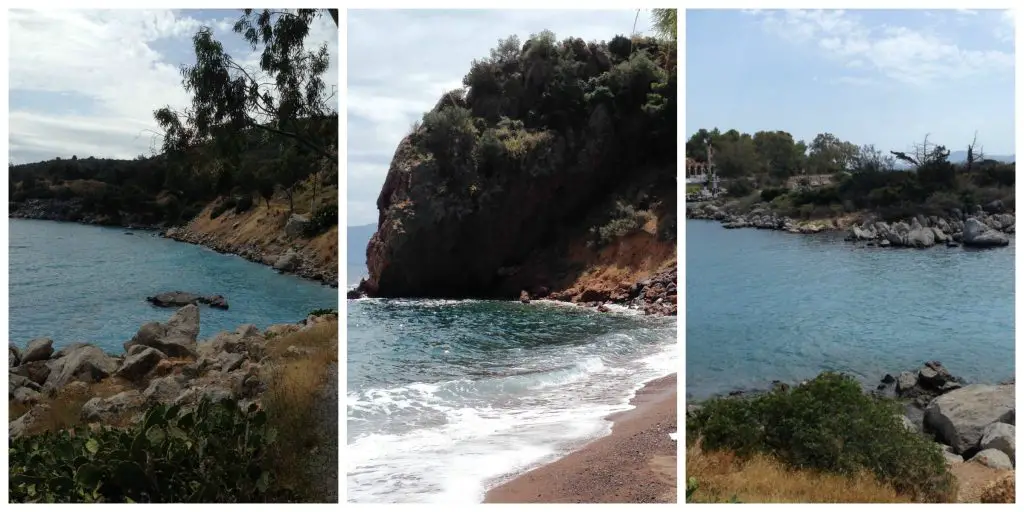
767 305
73 282
446 399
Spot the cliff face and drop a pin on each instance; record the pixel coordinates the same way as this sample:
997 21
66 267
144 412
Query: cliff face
502 189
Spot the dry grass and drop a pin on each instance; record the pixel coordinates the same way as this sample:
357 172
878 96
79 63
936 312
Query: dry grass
65 407
723 477
1002 490
294 386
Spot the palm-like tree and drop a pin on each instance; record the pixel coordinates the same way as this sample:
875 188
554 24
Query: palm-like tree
665 23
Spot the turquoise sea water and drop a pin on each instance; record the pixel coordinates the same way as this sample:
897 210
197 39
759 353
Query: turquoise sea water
765 305
71 282
448 398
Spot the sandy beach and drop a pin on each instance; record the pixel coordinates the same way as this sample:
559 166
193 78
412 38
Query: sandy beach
636 463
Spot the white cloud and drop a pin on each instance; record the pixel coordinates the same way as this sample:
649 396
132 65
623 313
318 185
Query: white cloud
400 62
117 63
911 56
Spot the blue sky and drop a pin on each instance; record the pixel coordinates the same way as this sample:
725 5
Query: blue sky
394 79
86 82
882 77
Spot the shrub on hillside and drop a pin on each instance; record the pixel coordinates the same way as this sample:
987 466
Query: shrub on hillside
243 203
325 217
827 424
215 453
769 194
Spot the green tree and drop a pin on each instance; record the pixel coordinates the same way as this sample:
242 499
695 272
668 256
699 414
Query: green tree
665 23
231 103
829 155
737 156
781 156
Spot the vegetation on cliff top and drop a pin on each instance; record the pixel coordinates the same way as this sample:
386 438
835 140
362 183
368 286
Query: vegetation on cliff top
828 425
859 178
247 133
545 139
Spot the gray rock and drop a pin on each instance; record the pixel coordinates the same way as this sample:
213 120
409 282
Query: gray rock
105 409
164 390
949 455
993 458
296 225
230 361
288 261
176 338
25 422
86 363
39 349
977 234
25 396
137 365
905 382
958 418
35 371
1002 437
13 356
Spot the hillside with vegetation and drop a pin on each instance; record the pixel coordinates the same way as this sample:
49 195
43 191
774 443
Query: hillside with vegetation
551 174
254 147
772 181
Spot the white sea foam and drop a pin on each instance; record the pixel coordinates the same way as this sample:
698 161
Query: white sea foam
464 436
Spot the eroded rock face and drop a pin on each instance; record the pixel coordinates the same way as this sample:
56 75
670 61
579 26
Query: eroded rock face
447 244
959 418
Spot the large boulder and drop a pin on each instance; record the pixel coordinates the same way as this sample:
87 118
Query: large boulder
1002 437
137 365
106 409
288 261
85 363
39 349
994 459
25 422
959 418
977 234
176 338
296 225
163 389
35 371
13 356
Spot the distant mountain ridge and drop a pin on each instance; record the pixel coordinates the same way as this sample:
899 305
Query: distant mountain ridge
961 156
358 239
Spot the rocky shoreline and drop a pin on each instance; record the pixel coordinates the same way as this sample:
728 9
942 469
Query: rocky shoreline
71 210
655 296
970 422
162 363
988 226
288 261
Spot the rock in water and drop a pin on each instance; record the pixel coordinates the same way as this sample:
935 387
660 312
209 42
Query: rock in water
977 234
959 418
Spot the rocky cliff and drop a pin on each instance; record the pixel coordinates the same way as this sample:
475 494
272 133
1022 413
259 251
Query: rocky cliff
538 178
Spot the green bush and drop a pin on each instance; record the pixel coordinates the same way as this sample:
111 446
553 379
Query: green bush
325 217
324 311
222 207
769 194
243 203
739 188
215 453
828 424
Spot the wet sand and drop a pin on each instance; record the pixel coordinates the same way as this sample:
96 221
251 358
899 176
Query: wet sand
636 463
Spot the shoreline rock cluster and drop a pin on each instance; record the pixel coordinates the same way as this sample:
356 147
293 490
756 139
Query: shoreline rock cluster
71 210
970 422
287 261
162 363
655 296
980 227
